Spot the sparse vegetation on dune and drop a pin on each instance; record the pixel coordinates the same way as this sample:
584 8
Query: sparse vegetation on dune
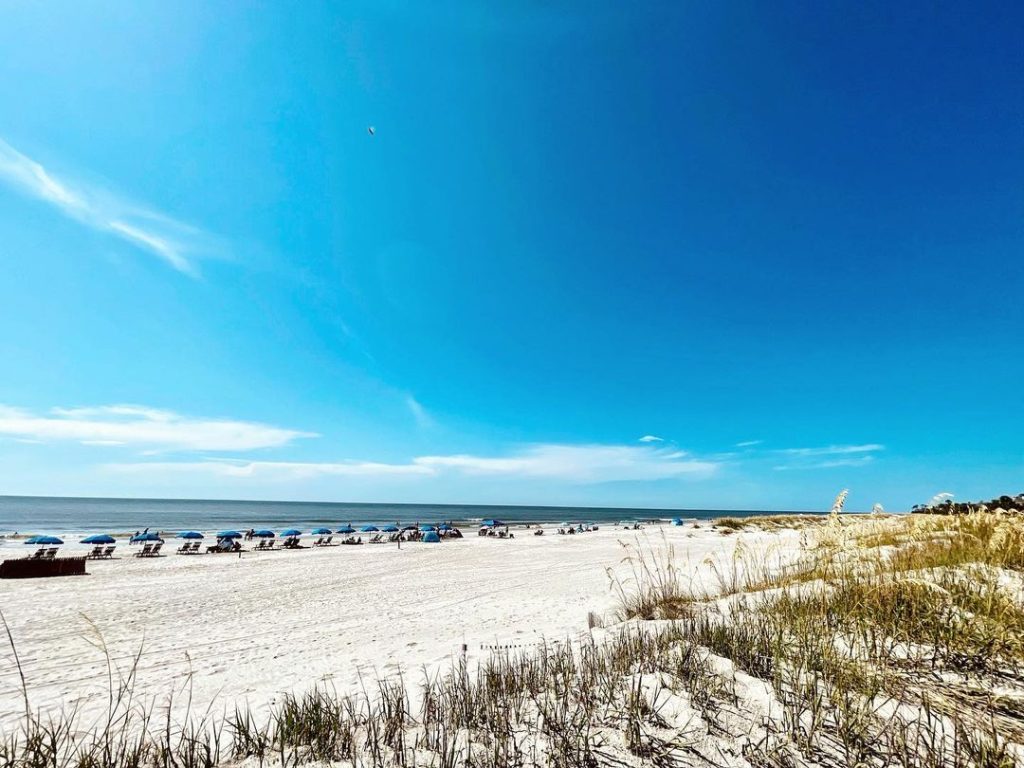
891 641
885 641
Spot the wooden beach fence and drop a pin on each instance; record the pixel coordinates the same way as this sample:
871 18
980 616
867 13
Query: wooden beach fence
25 568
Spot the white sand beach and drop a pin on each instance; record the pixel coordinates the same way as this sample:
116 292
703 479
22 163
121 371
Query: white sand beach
242 630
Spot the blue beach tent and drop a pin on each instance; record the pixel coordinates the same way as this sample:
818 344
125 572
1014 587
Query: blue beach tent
99 538
431 537
492 523
50 540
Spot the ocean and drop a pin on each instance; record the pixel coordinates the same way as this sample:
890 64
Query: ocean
39 514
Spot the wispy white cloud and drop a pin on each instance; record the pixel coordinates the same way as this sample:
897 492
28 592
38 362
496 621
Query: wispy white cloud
567 463
274 471
748 443
828 456
651 439
579 463
832 450
855 461
147 230
134 425
419 413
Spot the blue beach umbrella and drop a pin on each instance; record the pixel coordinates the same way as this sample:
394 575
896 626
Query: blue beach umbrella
444 527
321 531
491 523
190 535
99 538
147 537
52 540
426 528
677 521
346 529
263 533
431 537
369 528
390 529
409 527
228 535
291 532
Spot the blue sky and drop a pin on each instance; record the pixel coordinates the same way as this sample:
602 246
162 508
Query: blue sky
782 242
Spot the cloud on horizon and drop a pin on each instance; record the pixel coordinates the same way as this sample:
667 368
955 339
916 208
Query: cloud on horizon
140 426
569 463
146 230
271 470
651 439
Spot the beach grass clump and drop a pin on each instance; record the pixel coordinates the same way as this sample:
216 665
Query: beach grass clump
652 587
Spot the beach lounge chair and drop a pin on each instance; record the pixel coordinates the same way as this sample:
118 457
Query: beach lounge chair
185 549
38 554
328 540
108 553
260 545
319 542
97 552
144 552
195 548
156 549
50 553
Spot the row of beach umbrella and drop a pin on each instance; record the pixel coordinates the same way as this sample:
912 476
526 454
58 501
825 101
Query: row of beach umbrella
263 533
